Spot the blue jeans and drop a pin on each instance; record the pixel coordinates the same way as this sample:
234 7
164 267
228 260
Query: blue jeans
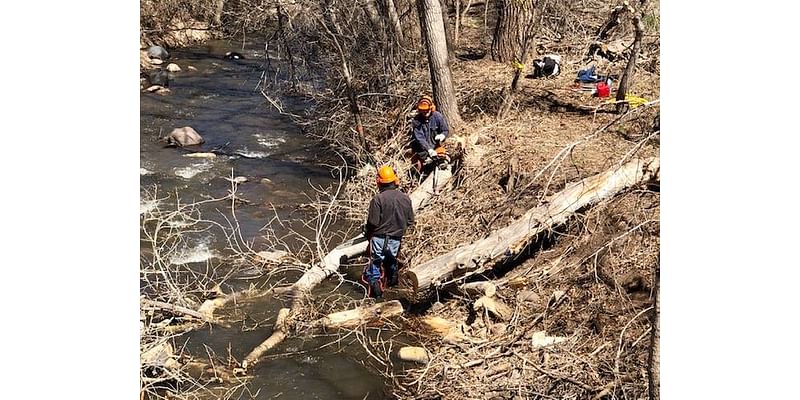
388 258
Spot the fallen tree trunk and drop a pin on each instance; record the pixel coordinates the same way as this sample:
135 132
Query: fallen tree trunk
418 282
431 186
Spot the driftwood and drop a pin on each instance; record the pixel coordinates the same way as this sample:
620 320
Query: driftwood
430 187
414 354
160 305
419 281
361 316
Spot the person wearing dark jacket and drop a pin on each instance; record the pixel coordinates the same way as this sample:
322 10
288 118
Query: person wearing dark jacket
429 130
390 213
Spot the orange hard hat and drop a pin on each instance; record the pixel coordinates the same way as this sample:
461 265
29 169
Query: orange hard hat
424 104
386 175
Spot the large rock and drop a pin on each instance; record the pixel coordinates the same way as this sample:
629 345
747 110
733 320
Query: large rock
185 136
158 77
157 52
172 67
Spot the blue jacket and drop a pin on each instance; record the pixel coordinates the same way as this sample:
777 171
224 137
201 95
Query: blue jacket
424 130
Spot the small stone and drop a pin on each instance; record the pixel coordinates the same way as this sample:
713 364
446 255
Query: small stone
528 296
156 61
172 67
266 181
191 68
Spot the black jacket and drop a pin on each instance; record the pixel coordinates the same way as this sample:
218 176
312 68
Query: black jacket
390 213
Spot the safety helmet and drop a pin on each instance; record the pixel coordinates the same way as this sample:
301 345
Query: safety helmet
425 104
386 175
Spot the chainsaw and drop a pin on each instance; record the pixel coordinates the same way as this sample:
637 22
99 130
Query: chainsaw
442 160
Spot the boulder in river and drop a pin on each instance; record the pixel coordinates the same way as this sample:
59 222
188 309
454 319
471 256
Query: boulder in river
172 67
158 77
185 136
157 52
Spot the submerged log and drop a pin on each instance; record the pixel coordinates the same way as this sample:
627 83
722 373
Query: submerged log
148 304
278 334
419 281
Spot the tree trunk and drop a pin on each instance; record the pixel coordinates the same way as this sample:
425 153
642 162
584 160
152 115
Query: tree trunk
371 9
457 26
448 32
627 78
653 375
508 93
460 15
433 34
419 281
283 20
394 20
514 28
219 5
613 21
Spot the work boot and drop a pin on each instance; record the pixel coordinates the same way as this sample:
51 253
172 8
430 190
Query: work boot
375 289
393 279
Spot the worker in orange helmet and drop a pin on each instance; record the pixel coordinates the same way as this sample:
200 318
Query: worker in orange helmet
389 214
429 130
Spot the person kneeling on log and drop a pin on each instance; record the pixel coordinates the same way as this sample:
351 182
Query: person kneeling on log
429 130
390 213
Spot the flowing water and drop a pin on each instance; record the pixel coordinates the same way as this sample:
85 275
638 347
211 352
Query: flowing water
221 100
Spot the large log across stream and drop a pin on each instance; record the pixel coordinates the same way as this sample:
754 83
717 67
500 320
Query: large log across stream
329 265
419 281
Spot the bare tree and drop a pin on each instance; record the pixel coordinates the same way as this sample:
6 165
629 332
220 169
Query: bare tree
514 25
332 29
433 34
627 78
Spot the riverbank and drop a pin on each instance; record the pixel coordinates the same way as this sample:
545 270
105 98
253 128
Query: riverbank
578 299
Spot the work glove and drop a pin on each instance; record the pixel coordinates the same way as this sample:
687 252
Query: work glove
439 137
432 153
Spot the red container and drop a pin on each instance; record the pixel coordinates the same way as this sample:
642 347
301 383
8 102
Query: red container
603 90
